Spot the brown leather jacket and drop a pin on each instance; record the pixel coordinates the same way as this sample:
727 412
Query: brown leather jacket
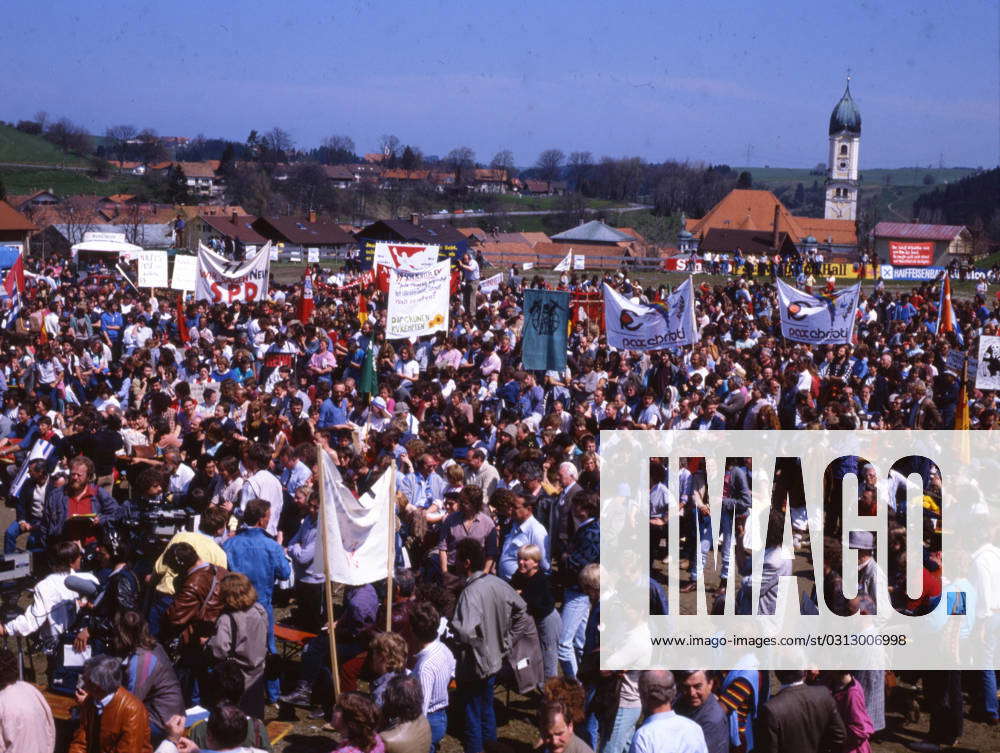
124 726
196 606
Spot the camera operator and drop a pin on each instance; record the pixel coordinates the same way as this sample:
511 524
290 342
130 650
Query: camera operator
29 504
54 604
213 523
121 592
76 510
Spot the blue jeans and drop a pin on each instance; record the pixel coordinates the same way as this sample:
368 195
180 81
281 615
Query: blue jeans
480 719
576 610
728 516
990 654
10 539
273 685
439 725
702 526
549 632
617 739
161 603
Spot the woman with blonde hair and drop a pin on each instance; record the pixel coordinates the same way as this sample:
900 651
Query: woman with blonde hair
241 635
389 653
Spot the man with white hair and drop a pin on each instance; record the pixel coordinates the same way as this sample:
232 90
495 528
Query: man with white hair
557 516
664 731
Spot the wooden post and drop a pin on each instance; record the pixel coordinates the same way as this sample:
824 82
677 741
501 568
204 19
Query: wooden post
391 549
327 586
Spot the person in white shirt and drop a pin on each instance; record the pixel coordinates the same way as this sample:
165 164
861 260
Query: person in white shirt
664 731
180 475
54 606
262 484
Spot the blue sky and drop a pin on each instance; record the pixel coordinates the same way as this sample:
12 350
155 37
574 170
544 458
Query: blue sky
662 80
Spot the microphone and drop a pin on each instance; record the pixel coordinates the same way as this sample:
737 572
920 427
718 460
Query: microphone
83 586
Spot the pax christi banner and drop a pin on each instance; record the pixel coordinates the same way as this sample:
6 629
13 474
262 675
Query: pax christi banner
911 254
490 284
638 326
546 316
223 281
824 320
356 541
418 301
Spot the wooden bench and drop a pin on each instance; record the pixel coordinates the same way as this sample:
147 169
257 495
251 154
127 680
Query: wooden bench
292 639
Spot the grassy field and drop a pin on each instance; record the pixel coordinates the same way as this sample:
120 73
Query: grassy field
16 146
21 180
902 176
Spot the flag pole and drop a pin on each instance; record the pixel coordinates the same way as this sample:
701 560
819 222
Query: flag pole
327 586
391 547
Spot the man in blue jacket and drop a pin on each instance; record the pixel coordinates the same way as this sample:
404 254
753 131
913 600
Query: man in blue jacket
254 553
75 510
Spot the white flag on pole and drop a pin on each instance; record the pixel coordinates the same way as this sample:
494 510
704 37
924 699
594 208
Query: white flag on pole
816 320
359 548
565 264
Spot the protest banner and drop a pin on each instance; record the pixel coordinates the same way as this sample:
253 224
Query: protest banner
640 326
988 366
816 320
418 301
546 315
220 280
185 273
490 284
411 256
153 269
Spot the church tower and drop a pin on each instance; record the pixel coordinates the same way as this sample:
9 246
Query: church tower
842 182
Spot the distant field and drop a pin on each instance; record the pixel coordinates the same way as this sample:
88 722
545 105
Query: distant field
64 182
903 176
16 146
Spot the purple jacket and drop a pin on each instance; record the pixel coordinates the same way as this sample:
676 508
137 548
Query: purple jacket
851 705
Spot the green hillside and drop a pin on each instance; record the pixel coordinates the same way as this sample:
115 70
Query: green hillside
64 182
16 146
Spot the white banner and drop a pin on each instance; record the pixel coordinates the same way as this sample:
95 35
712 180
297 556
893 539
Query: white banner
185 273
224 281
637 326
988 367
153 269
418 301
565 263
491 284
411 256
359 545
579 261
312 255
817 321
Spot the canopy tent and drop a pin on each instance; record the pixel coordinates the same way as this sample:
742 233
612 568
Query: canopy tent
106 243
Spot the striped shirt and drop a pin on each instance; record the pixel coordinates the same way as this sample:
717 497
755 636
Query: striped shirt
435 667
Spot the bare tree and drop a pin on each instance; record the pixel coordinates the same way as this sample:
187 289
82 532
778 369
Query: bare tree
389 145
549 164
338 150
120 136
461 160
151 149
42 118
275 146
68 136
580 164
133 221
76 216
504 160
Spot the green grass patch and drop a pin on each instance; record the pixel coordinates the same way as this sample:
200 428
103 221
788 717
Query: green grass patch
16 146
19 180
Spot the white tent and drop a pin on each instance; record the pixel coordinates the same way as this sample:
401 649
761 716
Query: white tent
106 243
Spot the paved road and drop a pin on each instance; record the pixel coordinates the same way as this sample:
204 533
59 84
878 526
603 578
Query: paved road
530 212
75 168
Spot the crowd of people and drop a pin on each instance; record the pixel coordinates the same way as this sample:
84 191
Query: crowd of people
126 413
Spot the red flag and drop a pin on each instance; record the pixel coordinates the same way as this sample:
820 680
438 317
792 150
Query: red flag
182 327
15 277
306 304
